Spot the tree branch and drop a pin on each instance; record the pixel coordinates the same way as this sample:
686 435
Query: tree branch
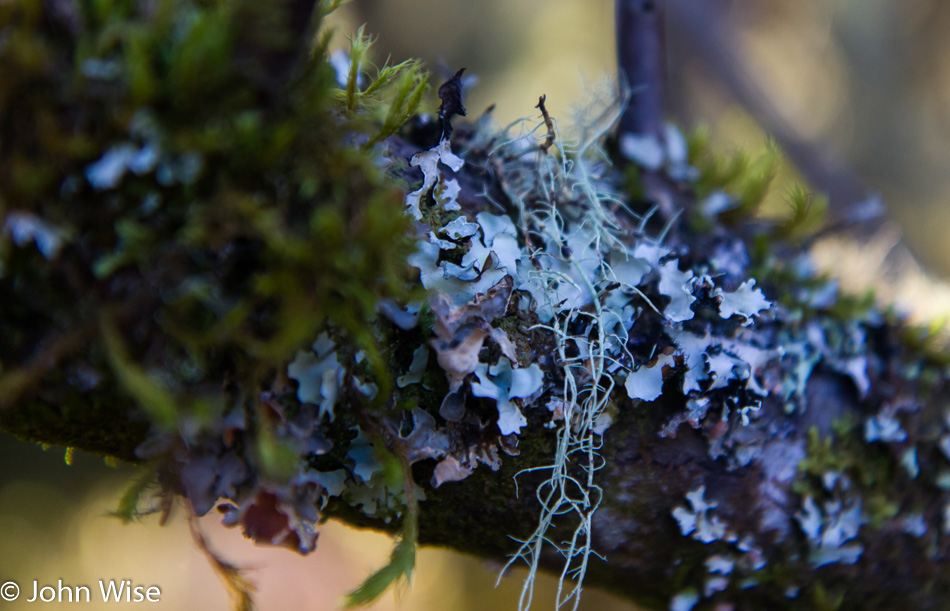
704 30
641 59
702 410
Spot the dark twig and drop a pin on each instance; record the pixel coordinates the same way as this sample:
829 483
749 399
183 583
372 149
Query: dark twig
641 62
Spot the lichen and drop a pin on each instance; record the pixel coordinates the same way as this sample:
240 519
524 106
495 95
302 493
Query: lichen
164 252
305 337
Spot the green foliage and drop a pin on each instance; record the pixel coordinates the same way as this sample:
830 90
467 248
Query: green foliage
328 6
187 198
827 599
928 339
738 174
393 95
401 563
824 455
155 400
402 560
128 508
846 452
195 172
853 307
806 216
277 460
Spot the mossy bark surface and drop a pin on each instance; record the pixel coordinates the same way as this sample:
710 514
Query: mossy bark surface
231 292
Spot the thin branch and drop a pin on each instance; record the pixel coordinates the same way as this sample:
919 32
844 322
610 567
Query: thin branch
548 123
641 62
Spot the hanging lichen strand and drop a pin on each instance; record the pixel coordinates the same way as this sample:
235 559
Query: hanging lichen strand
559 251
320 302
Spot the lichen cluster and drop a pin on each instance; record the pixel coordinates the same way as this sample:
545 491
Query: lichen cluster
302 289
628 317
551 291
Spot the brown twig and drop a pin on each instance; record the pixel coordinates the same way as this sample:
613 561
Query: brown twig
239 588
548 123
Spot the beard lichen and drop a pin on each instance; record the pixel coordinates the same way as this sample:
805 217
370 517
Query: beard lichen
300 333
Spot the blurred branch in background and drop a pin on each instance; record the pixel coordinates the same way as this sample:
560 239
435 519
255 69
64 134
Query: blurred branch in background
864 83
641 64
854 91
711 39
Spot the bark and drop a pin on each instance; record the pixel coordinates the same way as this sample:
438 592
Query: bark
645 477
795 458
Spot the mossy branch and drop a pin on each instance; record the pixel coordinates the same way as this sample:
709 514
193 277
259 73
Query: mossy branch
231 292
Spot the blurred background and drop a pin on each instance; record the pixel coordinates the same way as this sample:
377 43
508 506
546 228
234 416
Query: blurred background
857 90
865 83
55 523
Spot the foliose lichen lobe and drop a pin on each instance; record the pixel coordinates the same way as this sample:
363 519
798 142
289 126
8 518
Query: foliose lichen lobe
303 337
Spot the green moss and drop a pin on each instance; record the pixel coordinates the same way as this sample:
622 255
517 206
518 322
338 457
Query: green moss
846 452
93 423
853 307
930 341
874 471
270 227
745 178
275 223
526 342
128 507
448 520
826 598
807 213
434 215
